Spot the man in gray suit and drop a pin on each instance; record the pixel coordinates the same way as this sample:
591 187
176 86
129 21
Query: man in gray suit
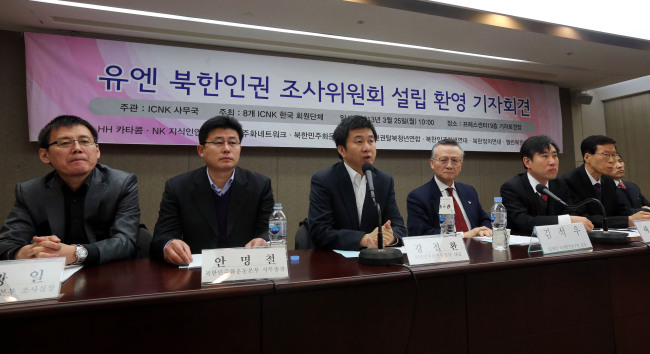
83 211
219 205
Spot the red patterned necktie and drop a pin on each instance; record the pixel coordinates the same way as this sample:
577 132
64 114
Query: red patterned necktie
545 197
621 185
458 216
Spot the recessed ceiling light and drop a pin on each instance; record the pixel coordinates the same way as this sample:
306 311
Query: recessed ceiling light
268 29
622 17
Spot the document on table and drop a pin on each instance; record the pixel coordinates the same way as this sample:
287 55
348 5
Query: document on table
355 254
348 254
68 271
514 240
630 231
197 261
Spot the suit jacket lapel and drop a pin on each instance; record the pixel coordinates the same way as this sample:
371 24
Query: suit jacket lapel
586 184
238 197
54 207
202 196
96 189
538 202
465 203
347 195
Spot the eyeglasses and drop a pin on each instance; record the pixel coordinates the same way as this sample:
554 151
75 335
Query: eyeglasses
454 162
608 155
220 144
66 143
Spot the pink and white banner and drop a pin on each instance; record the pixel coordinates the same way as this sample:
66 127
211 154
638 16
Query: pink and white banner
150 94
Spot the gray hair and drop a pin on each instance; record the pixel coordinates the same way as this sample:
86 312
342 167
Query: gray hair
447 142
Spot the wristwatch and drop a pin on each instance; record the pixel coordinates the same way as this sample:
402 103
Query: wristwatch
81 252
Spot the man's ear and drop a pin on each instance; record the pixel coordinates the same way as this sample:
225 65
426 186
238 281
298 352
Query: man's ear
43 155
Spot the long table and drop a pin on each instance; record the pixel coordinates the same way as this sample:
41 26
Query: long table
587 302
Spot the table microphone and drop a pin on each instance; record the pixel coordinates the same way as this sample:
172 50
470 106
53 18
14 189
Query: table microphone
379 255
542 189
604 236
367 169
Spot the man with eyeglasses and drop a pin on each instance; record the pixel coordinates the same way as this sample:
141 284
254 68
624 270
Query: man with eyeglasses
83 211
423 203
216 206
592 180
526 207
629 192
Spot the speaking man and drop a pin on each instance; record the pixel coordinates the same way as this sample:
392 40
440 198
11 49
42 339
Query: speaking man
423 203
219 205
528 208
341 213
83 211
591 180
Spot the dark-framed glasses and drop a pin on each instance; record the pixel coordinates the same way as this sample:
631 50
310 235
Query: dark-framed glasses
66 143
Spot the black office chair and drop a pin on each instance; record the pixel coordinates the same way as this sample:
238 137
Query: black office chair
303 241
142 242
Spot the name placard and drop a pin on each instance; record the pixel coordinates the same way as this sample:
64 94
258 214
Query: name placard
562 238
30 279
643 226
232 264
435 249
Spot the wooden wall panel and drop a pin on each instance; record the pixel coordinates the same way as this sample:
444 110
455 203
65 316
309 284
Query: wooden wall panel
628 122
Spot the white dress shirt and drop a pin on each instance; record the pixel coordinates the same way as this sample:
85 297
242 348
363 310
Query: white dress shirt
359 185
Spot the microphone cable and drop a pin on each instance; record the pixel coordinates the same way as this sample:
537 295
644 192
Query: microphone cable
415 304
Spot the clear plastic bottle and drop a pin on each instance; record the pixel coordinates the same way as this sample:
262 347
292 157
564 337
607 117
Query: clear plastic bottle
499 217
447 225
278 226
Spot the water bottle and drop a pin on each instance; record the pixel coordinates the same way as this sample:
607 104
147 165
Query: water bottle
499 218
447 223
278 226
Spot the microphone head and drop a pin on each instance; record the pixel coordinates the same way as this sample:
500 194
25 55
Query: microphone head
540 188
367 166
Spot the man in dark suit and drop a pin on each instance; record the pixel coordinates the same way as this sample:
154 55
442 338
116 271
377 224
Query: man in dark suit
219 205
591 180
629 192
423 203
83 211
526 207
341 212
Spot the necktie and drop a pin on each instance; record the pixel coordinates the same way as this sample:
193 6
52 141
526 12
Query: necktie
545 197
597 186
458 216
621 185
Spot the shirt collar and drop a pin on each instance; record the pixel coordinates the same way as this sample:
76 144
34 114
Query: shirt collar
533 182
352 172
593 181
220 192
442 186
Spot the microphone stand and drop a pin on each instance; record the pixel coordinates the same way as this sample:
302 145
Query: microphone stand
380 233
380 255
604 236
